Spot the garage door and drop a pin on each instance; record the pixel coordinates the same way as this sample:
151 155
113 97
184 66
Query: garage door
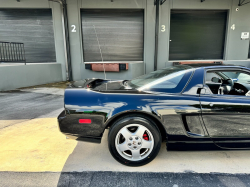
197 35
34 28
119 33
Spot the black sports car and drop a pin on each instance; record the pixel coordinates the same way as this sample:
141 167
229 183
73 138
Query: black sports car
189 107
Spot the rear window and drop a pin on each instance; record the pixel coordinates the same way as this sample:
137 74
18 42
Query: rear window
168 78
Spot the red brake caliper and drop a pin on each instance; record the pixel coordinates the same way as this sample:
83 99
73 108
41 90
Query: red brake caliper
145 137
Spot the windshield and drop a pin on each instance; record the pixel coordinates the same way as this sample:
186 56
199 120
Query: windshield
167 78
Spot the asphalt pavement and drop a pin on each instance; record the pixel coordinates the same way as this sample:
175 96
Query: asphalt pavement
129 179
34 153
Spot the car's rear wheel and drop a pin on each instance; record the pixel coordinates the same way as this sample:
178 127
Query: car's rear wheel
134 140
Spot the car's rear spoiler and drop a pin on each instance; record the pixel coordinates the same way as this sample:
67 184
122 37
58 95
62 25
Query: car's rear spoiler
86 83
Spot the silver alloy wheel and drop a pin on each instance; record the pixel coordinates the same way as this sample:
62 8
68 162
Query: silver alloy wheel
133 146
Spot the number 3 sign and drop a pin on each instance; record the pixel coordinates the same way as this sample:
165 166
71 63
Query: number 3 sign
163 29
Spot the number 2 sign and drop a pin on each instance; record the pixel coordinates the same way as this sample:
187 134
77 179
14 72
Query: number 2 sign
73 28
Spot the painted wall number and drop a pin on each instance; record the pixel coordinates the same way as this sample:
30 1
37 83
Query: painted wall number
233 27
163 29
73 28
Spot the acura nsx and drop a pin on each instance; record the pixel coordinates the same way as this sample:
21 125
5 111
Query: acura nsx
189 107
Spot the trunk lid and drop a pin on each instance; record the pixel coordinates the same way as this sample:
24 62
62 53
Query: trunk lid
100 84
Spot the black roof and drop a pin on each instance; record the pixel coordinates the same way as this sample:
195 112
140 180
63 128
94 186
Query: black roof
212 65
207 64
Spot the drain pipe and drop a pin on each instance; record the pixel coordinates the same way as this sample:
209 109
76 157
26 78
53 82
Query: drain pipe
66 38
157 4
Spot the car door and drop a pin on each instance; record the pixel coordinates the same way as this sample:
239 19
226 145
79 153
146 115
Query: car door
227 119
180 113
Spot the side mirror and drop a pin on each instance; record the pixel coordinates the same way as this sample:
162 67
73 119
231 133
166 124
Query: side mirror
199 90
202 91
216 80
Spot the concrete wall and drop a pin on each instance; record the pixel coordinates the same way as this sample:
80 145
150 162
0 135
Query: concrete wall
78 66
17 76
57 24
236 50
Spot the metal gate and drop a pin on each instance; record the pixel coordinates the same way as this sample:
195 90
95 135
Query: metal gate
12 52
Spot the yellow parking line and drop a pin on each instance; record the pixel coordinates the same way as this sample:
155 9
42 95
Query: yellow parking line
34 146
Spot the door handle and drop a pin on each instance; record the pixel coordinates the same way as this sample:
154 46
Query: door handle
211 104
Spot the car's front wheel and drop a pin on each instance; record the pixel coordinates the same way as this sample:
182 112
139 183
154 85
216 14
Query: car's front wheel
134 140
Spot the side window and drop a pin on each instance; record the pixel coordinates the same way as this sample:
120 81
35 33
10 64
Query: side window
231 82
213 81
240 77
210 75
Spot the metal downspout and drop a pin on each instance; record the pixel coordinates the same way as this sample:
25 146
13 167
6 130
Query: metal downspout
157 3
66 38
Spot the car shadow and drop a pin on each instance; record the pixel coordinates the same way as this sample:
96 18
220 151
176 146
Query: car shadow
89 157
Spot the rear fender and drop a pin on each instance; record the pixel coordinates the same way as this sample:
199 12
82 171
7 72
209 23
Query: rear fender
84 103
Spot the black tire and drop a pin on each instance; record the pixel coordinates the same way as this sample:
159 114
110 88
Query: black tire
134 119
